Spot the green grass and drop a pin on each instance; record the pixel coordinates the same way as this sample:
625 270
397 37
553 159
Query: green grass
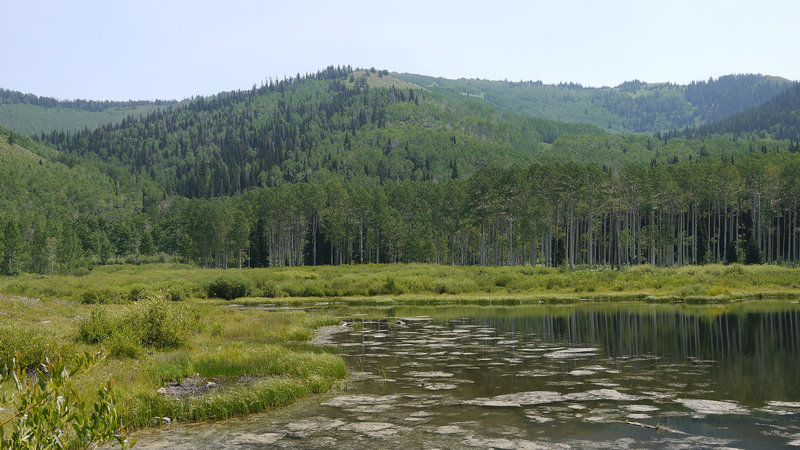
258 357
159 326
416 281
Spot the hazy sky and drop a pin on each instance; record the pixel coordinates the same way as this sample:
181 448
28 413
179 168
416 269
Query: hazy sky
118 49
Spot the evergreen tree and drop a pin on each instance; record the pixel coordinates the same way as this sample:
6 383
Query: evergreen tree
752 254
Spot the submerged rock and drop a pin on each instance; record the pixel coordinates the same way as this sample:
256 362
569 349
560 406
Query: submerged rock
711 406
349 401
256 439
518 399
438 386
577 352
374 429
601 394
429 374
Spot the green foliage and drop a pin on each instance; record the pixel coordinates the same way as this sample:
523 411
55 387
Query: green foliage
96 328
159 324
230 286
100 295
49 412
633 106
23 347
731 253
752 253
153 322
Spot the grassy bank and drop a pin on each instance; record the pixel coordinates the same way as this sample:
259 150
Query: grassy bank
215 362
168 326
414 281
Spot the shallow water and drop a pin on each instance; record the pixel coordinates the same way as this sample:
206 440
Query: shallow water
526 377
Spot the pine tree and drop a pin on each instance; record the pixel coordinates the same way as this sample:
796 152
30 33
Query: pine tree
752 255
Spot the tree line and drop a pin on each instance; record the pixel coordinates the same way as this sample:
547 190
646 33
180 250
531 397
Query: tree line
703 211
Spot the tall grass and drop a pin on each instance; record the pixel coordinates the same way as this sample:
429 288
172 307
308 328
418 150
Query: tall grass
110 284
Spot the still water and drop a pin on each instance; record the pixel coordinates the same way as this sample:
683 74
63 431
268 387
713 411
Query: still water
666 376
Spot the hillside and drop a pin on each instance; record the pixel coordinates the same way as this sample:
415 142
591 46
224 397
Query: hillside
311 129
343 166
341 124
632 107
31 115
777 118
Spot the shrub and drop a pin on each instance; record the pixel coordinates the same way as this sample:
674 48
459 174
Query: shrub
178 291
30 349
152 322
96 328
50 413
230 286
123 343
95 296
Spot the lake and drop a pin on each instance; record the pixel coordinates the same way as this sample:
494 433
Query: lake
594 375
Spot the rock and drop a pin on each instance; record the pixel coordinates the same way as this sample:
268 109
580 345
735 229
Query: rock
374 429
711 406
438 386
449 429
577 352
161 420
161 391
518 399
490 443
640 408
429 374
210 385
601 394
258 439
349 401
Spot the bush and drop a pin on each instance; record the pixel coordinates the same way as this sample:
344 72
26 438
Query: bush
230 287
95 296
50 413
178 291
152 322
30 349
96 328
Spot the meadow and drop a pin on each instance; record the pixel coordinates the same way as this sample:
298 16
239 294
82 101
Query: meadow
183 343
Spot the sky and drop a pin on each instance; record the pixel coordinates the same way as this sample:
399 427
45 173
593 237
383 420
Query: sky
162 49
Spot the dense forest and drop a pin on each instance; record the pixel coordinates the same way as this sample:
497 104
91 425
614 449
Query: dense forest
31 114
704 210
345 167
631 107
778 117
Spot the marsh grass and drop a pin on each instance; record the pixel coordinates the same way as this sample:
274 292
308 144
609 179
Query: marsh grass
260 358
161 326
110 284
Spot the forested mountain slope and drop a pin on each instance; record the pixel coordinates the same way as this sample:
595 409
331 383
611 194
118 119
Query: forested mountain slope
341 124
778 118
29 114
632 107
344 167
305 129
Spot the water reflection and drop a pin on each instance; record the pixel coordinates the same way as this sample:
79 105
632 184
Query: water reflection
591 375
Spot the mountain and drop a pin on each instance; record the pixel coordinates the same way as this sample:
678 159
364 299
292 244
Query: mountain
777 118
632 107
346 166
331 123
31 115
